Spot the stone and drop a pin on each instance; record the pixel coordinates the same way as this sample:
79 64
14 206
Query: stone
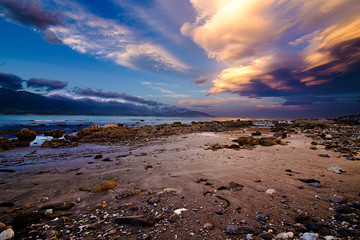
344 208
153 199
167 190
5 144
55 133
2 226
285 235
234 186
257 133
237 230
328 137
26 135
135 221
7 234
337 199
24 219
336 170
173 217
60 206
208 226
104 186
302 217
324 155
266 235
98 156
270 191
309 236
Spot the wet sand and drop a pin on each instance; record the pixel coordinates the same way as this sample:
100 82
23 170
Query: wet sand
178 162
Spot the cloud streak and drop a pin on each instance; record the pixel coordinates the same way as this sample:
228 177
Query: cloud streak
10 81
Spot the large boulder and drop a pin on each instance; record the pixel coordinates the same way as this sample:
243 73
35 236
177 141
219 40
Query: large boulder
5 144
26 135
56 133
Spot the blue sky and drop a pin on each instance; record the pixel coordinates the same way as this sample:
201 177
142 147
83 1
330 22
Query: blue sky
223 57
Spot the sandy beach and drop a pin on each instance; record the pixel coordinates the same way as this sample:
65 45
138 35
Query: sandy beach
224 194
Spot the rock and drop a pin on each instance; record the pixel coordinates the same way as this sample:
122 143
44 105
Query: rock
285 235
328 137
24 219
301 228
266 235
148 166
55 133
98 156
208 226
314 227
50 234
173 217
302 217
103 186
237 230
180 210
60 206
234 186
315 184
135 221
26 135
270 191
324 155
7 234
331 238
257 133
309 236
167 190
2 226
247 141
336 170
5 144
341 218
337 199
58 143
344 208
269 141
153 199
101 205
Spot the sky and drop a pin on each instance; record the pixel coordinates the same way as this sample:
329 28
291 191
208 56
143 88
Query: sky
227 58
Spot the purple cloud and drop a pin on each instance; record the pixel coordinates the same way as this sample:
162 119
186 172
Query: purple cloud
29 12
10 81
45 84
99 93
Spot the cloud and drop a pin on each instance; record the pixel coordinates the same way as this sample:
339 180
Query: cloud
114 95
45 84
201 79
110 40
213 103
10 81
167 92
280 48
29 12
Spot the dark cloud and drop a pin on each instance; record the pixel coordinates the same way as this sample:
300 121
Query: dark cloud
99 93
45 84
29 12
201 79
10 81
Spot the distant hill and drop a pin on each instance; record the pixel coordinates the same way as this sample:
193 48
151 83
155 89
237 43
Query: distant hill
23 102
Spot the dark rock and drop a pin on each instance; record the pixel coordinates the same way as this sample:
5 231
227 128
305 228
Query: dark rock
7 170
301 228
237 230
345 208
341 218
98 156
61 206
153 199
55 133
257 133
247 141
314 143
26 135
222 188
269 141
24 219
233 146
19 143
201 180
5 144
148 166
309 180
300 187
315 184
135 221
260 218
106 160
318 228
7 204
302 217
266 235
324 155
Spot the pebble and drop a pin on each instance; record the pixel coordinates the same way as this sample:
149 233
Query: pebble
336 170
310 236
7 234
266 235
285 235
208 226
270 191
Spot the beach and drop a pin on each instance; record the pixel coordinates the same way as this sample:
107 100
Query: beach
258 192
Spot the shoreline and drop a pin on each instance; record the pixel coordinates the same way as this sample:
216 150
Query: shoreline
181 162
